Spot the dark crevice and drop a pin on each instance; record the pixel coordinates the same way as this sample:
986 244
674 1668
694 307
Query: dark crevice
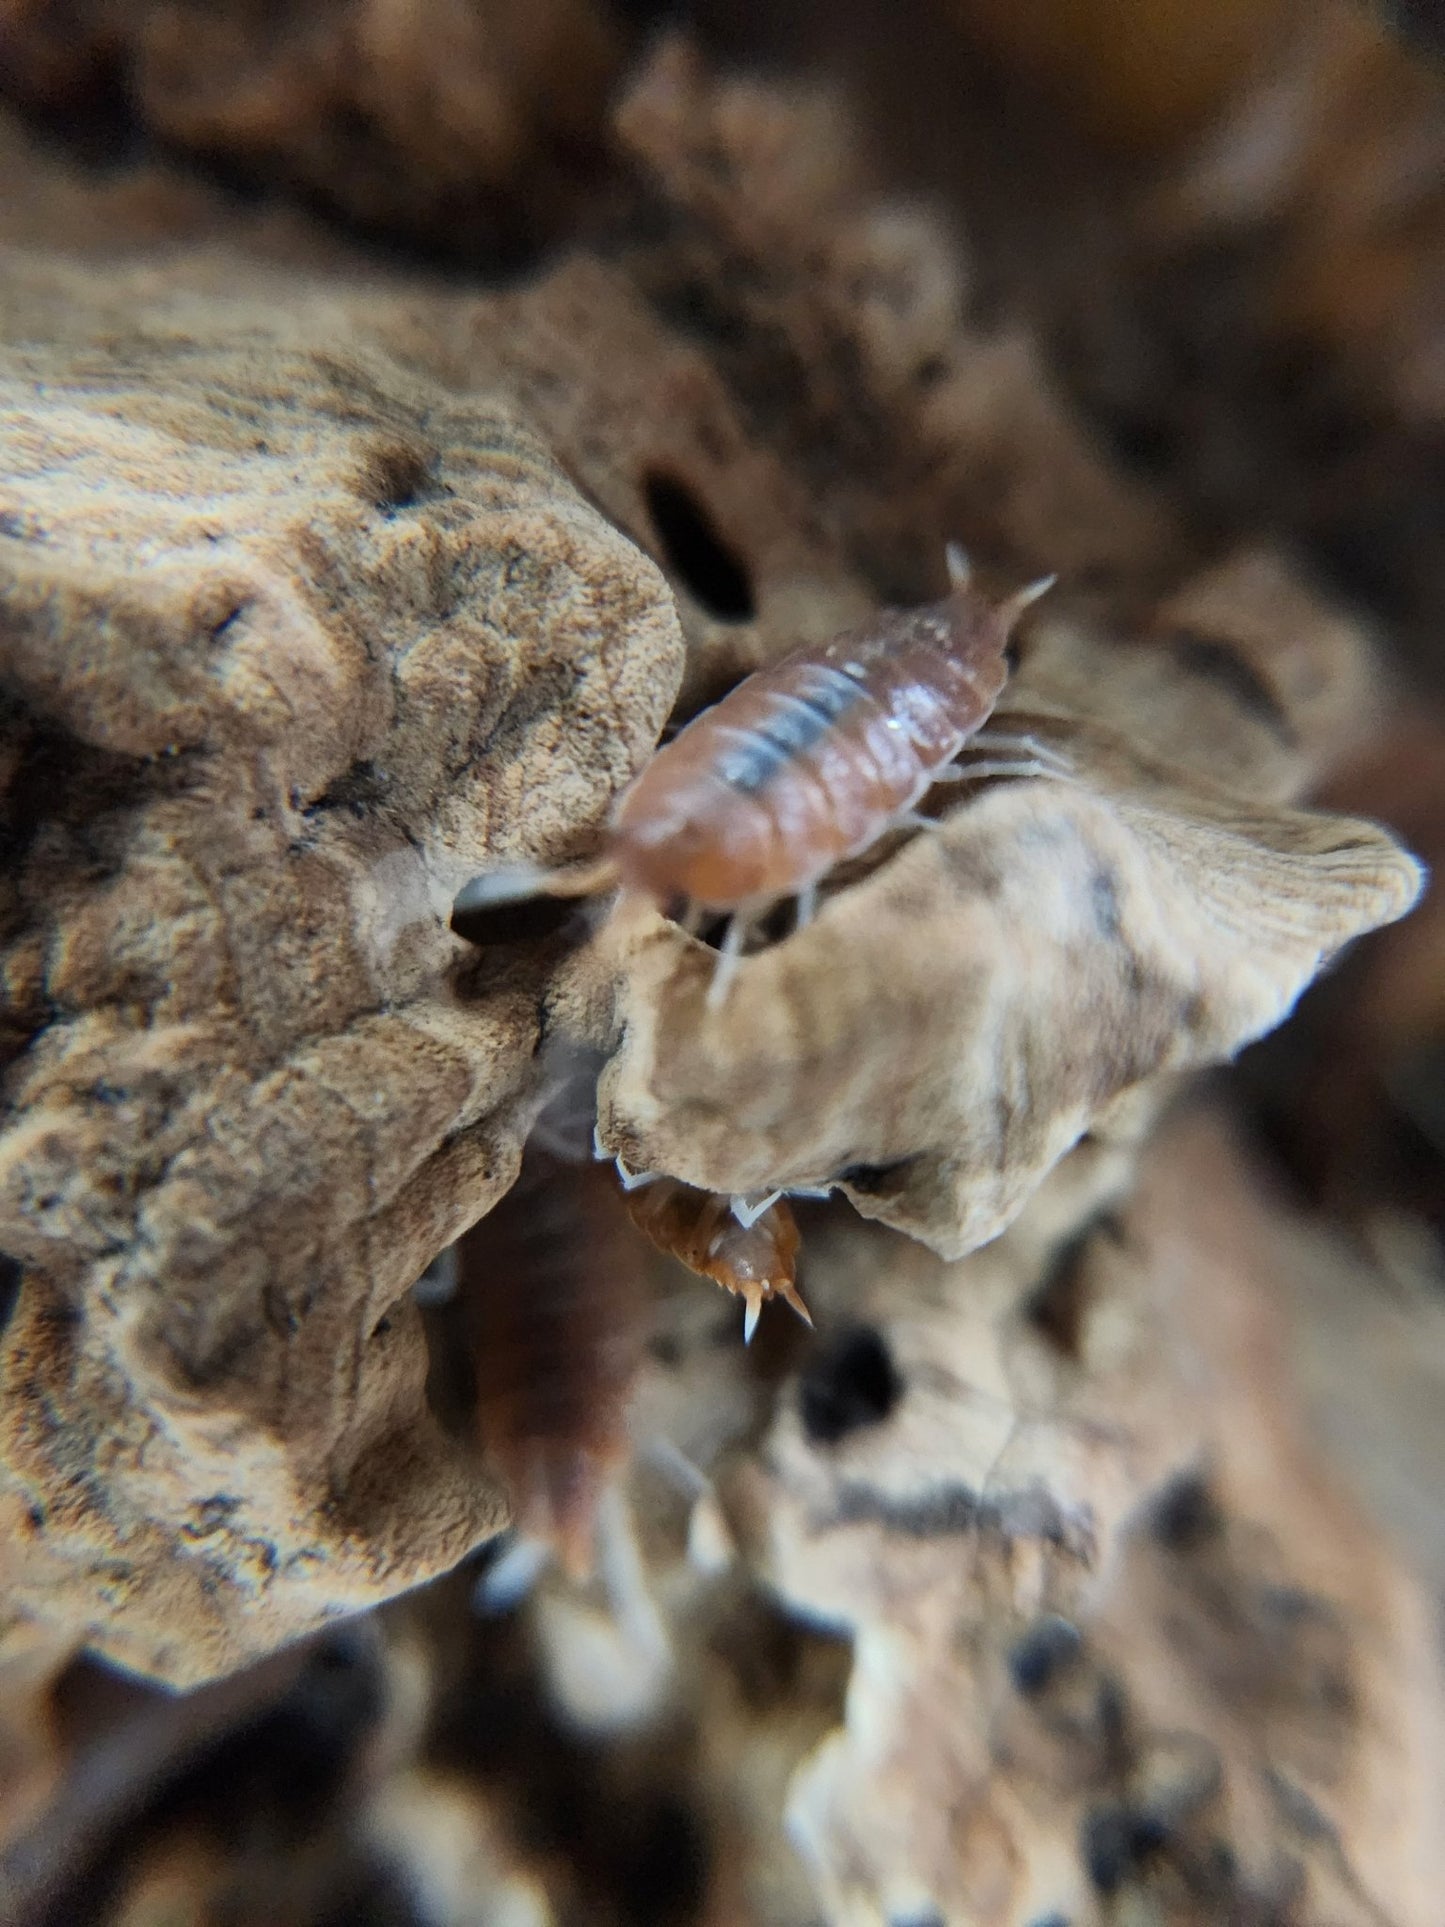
11 1273
1058 1306
1117 1841
58 779
877 1180
360 789
1042 1654
695 552
1219 661
399 477
1186 1515
529 921
847 1384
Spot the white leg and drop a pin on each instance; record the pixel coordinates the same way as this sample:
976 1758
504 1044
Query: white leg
634 1180
807 907
511 1576
624 1580
753 1313
915 820
810 1190
989 738
508 883
691 919
728 959
976 772
520 882
674 1465
747 1211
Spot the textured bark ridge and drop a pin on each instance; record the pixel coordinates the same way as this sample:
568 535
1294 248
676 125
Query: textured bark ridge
295 640
1042 1582
1115 1632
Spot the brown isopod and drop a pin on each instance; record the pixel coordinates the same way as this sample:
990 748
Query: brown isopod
807 764
550 1291
754 1261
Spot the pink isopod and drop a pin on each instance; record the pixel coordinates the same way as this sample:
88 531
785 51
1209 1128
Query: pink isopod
801 767
808 763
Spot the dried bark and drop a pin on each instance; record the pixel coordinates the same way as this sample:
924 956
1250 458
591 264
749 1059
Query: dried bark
1120 1640
951 1024
467 126
371 625
1076 1574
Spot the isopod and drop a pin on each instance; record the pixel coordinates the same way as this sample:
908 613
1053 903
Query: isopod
754 1261
809 762
803 766
550 1291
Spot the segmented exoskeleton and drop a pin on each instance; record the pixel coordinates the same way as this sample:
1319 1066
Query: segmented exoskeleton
802 766
550 1292
809 762
755 1261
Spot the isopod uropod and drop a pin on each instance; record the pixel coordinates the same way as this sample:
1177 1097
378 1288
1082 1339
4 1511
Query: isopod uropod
755 1261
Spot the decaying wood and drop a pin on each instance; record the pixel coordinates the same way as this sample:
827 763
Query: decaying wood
1065 1573
953 1022
294 637
1109 1610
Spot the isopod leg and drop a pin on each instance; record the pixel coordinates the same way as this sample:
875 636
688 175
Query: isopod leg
1017 743
624 1579
747 1211
807 907
1002 766
634 1180
629 1180
509 1578
730 955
